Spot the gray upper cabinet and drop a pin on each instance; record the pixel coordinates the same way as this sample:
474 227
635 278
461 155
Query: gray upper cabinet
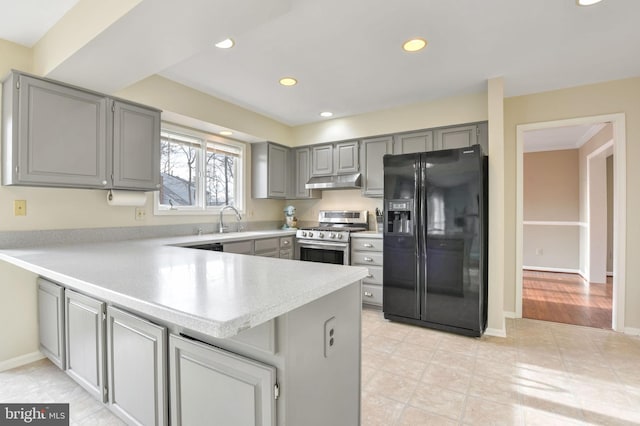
456 137
84 329
225 388
346 157
322 160
270 166
58 135
372 166
137 362
302 167
51 321
53 135
408 143
136 147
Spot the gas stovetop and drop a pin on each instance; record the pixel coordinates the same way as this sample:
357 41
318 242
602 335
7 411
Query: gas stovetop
335 225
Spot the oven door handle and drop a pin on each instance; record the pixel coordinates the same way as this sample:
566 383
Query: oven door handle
315 245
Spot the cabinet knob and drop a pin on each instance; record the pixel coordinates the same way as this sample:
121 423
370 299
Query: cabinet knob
368 294
367 245
285 243
368 259
158 185
104 182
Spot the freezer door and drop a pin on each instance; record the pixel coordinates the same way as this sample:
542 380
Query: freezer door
453 204
400 294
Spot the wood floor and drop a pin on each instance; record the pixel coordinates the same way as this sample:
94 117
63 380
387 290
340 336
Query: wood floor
566 298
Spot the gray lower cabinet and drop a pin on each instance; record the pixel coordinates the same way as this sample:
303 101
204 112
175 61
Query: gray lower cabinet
213 386
137 364
367 252
407 143
286 248
456 137
269 168
372 165
53 135
136 147
238 247
85 338
51 321
267 247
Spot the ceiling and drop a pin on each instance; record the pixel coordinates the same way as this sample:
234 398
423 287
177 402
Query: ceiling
346 55
558 138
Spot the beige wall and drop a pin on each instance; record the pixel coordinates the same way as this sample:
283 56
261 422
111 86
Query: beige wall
551 190
619 96
551 247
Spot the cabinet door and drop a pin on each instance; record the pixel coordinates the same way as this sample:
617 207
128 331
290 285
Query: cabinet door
413 142
213 386
277 171
456 137
346 157
302 158
372 167
62 136
322 160
137 362
51 321
238 247
136 147
84 321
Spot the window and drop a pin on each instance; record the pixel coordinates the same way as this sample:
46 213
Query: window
200 173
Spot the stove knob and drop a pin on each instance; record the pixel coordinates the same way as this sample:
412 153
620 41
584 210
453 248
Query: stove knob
339 236
321 235
332 235
310 234
304 233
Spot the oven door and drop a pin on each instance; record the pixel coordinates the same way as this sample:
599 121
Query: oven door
323 252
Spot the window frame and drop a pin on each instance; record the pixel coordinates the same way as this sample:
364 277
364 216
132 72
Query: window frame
201 208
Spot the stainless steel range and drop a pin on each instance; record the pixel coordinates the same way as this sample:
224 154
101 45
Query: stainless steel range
329 242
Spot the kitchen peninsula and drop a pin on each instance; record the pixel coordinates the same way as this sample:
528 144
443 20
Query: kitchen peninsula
179 335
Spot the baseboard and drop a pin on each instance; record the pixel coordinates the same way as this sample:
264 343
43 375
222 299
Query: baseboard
545 269
632 331
21 360
511 315
495 332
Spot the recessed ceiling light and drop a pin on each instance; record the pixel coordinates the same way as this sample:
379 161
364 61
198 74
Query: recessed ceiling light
414 44
225 44
226 133
288 81
587 2
326 114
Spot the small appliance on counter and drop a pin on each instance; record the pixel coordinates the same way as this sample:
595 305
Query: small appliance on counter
379 217
290 219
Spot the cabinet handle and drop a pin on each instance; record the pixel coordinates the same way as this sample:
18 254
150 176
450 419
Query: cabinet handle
367 245
368 259
157 185
370 276
285 243
368 294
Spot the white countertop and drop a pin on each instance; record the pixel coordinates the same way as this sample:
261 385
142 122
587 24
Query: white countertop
219 294
366 234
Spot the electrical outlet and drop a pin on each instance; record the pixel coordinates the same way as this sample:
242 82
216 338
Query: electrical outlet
329 336
539 252
141 213
19 207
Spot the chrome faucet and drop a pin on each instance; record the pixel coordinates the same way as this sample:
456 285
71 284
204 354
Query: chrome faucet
238 216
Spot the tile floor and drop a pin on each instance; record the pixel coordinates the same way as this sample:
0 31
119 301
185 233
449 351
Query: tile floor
541 374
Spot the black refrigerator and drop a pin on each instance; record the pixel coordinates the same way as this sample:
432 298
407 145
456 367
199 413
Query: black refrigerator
435 239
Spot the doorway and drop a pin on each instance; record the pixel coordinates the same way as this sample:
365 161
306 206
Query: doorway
617 284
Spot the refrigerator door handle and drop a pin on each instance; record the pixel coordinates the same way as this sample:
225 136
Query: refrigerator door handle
422 232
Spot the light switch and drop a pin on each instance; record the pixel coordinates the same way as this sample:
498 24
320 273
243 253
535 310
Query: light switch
19 207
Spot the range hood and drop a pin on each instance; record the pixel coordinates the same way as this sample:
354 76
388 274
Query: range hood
352 181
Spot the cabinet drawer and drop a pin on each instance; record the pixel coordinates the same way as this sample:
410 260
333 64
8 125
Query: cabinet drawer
286 242
267 244
240 247
372 294
270 253
366 244
286 254
363 258
375 275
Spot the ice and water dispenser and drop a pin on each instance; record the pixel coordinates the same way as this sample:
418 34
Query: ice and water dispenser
399 216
